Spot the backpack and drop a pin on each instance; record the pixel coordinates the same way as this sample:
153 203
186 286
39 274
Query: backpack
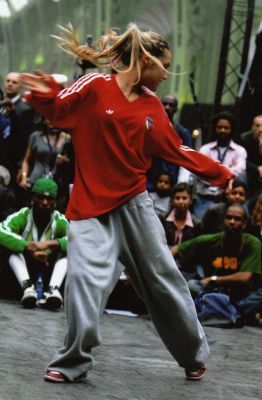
215 309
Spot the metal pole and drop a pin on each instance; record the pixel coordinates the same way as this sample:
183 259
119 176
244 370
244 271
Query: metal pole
223 57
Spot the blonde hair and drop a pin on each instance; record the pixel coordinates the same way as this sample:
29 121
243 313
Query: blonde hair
119 52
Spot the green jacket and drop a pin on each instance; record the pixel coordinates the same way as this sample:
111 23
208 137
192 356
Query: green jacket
19 229
208 251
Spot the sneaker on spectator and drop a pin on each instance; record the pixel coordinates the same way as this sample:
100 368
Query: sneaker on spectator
195 374
29 298
54 376
52 298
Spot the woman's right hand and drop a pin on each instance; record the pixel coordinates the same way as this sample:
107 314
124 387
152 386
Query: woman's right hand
39 82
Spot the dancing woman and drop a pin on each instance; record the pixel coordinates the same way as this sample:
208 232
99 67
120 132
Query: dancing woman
118 125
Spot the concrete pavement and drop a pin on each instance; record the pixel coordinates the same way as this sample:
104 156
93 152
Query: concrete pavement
132 363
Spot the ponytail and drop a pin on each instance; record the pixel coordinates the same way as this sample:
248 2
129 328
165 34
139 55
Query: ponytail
119 52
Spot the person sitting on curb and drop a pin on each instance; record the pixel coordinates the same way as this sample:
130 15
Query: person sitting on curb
36 239
231 259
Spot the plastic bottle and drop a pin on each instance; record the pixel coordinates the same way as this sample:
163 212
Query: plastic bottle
39 287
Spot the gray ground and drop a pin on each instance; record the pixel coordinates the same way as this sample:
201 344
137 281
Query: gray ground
132 363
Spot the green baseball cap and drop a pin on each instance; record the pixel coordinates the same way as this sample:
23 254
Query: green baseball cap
46 187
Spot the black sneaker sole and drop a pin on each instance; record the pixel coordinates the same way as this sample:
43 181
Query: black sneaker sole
53 303
29 302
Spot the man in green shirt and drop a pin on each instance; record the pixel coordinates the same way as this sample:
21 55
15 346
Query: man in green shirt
230 259
36 240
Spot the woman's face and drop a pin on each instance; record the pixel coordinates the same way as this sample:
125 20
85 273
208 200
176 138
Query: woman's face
237 195
152 74
182 201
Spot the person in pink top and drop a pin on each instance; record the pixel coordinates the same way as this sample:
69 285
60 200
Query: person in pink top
118 125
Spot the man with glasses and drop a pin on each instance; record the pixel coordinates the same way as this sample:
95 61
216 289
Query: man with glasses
230 259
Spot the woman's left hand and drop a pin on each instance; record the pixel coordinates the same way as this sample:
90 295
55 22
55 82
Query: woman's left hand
40 82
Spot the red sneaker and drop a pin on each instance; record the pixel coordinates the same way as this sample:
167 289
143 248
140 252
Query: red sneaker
195 375
54 376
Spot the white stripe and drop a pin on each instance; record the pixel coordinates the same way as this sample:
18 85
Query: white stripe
84 82
76 84
5 229
76 89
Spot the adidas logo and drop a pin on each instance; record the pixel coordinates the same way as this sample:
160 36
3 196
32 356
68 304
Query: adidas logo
109 112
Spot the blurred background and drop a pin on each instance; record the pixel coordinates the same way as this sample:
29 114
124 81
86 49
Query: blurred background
216 45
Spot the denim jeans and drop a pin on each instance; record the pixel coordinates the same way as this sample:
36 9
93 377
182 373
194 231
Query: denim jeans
252 303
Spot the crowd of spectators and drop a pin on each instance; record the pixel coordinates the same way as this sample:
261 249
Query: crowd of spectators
36 170
214 236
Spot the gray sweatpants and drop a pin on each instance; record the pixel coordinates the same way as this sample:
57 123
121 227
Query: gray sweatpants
131 235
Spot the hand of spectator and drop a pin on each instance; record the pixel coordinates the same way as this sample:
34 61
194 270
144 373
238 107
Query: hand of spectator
40 246
206 281
8 105
259 169
61 159
174 250
32 246
40 256
40 82
36 252
37 246
23 183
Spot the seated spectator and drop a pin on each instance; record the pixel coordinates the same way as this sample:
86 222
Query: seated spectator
256 217
179 223
36 241
40 157
225 150
213 219
7 197
230 259
161 196
252 142
170 104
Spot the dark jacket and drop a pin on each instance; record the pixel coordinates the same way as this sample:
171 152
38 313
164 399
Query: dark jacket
188 232
7 202
254 158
